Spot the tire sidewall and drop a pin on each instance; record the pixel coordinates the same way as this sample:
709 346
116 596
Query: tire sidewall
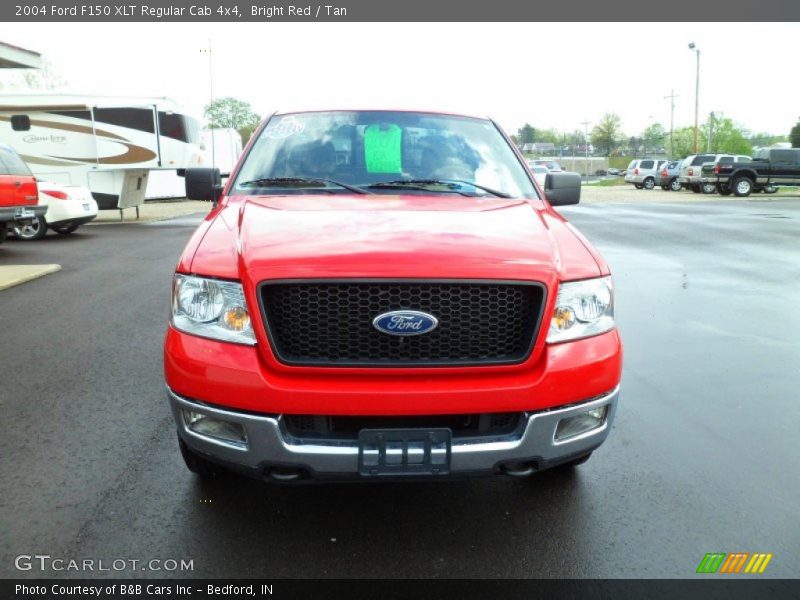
742 192
40 232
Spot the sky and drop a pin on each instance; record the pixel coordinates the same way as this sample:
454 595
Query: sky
551 75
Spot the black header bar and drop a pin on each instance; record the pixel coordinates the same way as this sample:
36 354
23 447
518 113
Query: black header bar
705 587
649 14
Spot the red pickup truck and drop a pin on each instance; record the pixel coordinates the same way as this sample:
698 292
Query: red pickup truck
19 194
382 294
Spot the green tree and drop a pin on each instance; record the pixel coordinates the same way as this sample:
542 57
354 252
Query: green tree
766 139
653 137
607 133
794 136
683 138
548 135
234 114
573 139
726 138
526 134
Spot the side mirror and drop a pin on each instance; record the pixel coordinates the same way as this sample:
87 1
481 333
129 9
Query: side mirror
563 188
203 184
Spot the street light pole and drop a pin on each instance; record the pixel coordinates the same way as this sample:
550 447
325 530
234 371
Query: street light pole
671 97
586 146
696 93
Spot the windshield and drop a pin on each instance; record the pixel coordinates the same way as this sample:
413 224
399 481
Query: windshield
382 152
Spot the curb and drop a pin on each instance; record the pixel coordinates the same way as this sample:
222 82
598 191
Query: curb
17 274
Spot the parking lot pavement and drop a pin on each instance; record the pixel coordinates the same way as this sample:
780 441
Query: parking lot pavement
154 211
627 194
703 457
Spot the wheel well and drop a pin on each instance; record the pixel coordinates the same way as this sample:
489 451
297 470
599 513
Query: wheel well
749 174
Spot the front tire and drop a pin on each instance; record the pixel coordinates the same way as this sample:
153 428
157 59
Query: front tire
573 463
35 231
675 185
198 465
742 186
638 186
64 229
723 189
709 188
649 183
696 188
770 189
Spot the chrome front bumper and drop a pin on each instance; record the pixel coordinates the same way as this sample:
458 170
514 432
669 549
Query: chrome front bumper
269 445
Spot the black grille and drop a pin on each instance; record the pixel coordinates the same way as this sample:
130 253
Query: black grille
345 427
330 323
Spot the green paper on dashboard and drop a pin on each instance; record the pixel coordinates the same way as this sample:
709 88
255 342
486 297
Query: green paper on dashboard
383 147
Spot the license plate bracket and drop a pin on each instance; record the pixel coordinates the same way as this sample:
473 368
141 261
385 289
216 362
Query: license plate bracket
399 452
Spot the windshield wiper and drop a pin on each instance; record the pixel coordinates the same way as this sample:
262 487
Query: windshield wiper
451 184
488 190
290 181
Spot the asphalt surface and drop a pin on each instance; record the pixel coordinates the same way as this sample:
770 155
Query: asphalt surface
704 455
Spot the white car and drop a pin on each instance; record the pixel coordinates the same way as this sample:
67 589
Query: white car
68 207
551 165
540 174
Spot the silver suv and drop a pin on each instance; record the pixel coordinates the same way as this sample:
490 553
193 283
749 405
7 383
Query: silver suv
691 171
642 172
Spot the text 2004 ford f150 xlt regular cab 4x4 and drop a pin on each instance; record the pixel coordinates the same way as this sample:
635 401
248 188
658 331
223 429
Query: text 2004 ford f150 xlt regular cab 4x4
382 294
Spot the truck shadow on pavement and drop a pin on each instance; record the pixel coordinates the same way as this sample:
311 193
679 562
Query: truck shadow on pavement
453 528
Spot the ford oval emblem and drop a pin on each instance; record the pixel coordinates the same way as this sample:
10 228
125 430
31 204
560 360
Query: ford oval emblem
405 322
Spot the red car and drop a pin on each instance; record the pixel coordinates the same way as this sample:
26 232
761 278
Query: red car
19 194
383 294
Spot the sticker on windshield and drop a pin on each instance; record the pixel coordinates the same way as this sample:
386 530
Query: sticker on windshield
284 128
383 149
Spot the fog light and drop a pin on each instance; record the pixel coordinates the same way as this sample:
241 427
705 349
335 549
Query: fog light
208 426
572 426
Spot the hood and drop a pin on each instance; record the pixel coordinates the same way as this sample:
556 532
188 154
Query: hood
382 236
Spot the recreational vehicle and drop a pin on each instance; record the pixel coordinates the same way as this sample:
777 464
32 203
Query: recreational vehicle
108 144
221 149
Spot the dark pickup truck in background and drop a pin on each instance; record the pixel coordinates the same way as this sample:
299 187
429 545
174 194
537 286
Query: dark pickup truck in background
768 170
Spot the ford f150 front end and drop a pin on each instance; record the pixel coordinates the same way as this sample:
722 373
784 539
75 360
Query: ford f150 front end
388 294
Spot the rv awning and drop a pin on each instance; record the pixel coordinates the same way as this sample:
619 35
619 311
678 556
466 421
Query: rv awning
12 57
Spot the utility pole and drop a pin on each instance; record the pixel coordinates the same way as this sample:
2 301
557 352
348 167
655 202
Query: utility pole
586 146
696 50
210 94
710 131
671 98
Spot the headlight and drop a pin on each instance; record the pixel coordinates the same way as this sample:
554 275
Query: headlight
583 308
212 309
